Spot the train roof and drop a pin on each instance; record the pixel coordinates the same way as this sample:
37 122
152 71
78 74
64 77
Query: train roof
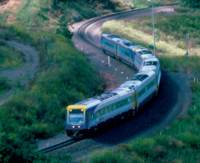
91 102
152 58
144 51
127 43
111 37
136 80
150 64
148 68
146 56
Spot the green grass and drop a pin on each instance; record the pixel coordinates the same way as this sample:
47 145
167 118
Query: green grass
65 77
146 3
9 58
4 85
180 142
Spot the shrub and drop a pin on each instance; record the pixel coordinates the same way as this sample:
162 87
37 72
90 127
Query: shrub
107 157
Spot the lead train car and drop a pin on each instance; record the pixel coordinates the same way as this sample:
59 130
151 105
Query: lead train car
88 114
130 96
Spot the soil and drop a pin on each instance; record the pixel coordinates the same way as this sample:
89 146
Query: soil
9 5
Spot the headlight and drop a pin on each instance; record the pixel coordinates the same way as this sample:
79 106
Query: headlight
73 126
79 126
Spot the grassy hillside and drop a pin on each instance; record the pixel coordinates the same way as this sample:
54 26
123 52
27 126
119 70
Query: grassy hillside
39 110
180 142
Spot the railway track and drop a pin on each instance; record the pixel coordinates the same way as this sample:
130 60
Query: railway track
59 145
93 21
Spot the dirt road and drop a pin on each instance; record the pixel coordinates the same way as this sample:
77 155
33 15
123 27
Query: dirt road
22 75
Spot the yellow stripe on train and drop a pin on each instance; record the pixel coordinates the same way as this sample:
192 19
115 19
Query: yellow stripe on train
76 107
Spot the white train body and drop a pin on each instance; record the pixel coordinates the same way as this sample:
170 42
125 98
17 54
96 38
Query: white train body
129 96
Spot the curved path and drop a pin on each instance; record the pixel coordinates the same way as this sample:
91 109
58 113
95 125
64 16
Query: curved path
173 98
22 75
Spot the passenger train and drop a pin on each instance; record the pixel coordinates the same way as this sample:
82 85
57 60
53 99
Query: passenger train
128 97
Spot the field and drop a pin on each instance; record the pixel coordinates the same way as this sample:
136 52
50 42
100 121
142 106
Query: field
180 142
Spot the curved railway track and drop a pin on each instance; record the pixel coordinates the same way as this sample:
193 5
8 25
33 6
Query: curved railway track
152 118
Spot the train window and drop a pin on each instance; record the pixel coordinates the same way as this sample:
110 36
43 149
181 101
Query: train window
106 96
149 63
145 52
140 77
132 87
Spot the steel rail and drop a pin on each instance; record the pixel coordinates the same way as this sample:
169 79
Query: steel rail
59 145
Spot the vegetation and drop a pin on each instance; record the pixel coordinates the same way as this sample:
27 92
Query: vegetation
179 142
38 111
65 76
4 85
146 3
9 58
191 3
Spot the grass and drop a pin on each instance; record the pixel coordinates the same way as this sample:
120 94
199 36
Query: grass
4 85
180 142
145 3
9 58
38 111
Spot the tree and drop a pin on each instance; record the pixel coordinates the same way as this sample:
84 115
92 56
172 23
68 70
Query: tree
192 3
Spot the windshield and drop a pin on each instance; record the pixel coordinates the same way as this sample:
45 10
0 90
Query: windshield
76 117
150 63
144 52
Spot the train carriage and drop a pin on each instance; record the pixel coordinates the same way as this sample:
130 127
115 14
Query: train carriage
109 43
131 95
125 52
141 55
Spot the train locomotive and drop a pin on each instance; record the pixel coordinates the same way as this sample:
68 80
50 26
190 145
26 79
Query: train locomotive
128 97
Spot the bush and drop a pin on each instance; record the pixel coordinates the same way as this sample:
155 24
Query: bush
107 157
191 3
4 84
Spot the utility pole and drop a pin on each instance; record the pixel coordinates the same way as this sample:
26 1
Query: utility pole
153 27
109 63
187 39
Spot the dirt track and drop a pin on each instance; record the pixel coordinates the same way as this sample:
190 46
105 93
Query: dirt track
22 75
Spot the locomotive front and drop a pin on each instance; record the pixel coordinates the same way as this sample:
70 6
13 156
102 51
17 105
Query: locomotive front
75 119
